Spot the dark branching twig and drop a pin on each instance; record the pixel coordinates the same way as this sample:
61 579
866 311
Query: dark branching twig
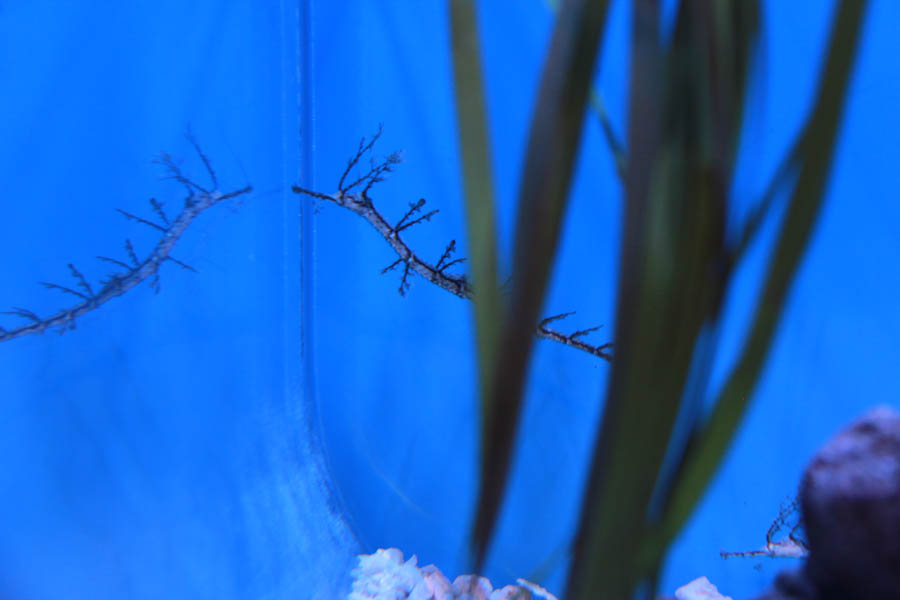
209 170
603 351
131 253
24 313
115 261
128 215
184 266
82 283
444 261
158 208
361 203
135 271
791 545
413 209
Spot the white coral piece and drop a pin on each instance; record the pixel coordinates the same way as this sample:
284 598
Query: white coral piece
385 576
699 589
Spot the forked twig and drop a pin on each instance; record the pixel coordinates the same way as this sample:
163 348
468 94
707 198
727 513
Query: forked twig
355 197
603 351
117 283
789 546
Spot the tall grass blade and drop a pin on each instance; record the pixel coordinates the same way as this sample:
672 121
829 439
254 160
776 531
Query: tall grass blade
814 151
552 147
684 120
479 197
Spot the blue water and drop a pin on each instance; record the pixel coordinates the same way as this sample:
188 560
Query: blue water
248 430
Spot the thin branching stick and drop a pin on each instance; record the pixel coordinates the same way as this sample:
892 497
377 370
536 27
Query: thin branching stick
135 270
355 197
785 546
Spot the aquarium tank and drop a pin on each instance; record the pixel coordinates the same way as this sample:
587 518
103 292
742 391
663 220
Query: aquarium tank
565 294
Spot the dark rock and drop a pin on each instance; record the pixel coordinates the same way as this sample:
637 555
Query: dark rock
792 585
850 498
850 501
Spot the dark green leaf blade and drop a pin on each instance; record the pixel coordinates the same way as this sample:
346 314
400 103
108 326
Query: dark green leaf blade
478 191
553 143
684 116
815 149
597 106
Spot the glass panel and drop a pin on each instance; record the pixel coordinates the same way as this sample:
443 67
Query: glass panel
397 374
162 447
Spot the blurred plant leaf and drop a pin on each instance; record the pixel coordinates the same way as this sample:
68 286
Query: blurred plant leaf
685 111
784 176
549 162
813 154
598 107
616 147
479 193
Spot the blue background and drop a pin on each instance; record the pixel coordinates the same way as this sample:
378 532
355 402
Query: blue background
250 429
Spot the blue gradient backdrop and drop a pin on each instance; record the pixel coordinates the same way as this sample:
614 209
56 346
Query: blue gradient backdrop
251 428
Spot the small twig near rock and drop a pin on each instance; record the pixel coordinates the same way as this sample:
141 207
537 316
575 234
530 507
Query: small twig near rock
851 517
354 196
134 270
788 546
